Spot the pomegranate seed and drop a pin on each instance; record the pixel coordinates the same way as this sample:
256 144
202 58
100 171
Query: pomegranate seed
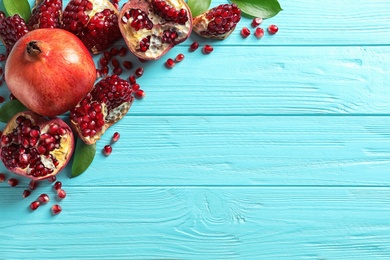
98 73
107 150
43 198
2 177
3 57
135 87
170 63
1 97
11 97
57 185
115 63
117 71
179 57
139 72
207 49
34 205
115 136
13 182
256 21
194 46
26 193
61 193
52 179
114 51
33 185
56 209
259 32
139 94
272 29
103 62
127 64
132 80
245 32
122 52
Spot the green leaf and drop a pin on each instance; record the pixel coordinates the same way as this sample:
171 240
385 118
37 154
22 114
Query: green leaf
21 7
9 109
83 157
259 8
198 6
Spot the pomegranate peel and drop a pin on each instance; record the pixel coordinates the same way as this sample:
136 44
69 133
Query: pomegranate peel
36 147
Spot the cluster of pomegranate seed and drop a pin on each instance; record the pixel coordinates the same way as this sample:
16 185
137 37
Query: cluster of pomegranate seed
107 149
46 14
259 32
169 13
11 29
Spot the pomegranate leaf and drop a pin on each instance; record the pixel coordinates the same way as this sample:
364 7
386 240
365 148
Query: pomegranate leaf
82 157
259 8
198 7
21 7
9 109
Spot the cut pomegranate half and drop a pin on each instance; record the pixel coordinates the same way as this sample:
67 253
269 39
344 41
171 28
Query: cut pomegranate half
151 28
46 14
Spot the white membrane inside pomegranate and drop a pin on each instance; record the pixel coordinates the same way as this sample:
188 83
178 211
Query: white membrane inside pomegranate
151 28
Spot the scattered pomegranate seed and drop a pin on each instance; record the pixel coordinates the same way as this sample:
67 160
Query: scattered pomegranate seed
11 97
103 62
2 177
52 179
107 55
32 185
135 87
98 73
259 32
139 94
179 57
57 185
43 198
194 46
115 62
207 49
114 51
127 64
115 136
170 63
26 193
256 21
61 193
107 150
34 205
272 29
13 182
245 32
139 72
3 57
117 71
122 52
56 209
104 70
132 80
1 97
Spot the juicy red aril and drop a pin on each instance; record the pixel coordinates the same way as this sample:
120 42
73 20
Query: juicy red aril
114 51
115 62
57 185
3 57
107 150
1 97
194 46
61 193
11 30
56 209
52 179
117 71
139 94
13 182
272 29
139 72
127 64
33 185
245 32
170 63
132 80
256 21
115 136
46 14
138 18
207 49
135 87
169 13
179 57
43 198
26 193
2 177
122 52
259 32
34 205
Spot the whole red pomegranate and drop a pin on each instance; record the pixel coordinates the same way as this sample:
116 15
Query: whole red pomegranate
151 28
49 71
36 147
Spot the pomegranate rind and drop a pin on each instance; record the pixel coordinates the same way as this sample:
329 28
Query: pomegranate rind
55 80
133 37
62 154
202 22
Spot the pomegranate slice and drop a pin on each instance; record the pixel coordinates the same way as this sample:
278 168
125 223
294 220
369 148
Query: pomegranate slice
11 30
151 28
218 22
108 102
46 14
95 22
36 147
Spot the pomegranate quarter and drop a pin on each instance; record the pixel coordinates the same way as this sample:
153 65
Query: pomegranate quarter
49 71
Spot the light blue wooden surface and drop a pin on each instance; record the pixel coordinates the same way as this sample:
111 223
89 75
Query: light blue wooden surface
276 148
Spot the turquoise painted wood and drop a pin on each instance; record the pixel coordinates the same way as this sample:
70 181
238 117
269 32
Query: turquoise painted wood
276 148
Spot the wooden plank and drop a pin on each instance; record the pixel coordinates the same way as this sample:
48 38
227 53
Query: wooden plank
190 223
239 150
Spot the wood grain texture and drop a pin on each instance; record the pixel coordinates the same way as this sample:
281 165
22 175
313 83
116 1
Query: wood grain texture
265 149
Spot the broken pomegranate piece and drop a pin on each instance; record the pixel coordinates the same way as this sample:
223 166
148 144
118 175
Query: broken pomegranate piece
151 28
95 22
36 147
11 30
107 103
46 14
218 22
